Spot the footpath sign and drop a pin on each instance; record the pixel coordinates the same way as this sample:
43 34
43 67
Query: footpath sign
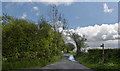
102 45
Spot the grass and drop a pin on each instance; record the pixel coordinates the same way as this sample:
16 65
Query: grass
99 66
28 63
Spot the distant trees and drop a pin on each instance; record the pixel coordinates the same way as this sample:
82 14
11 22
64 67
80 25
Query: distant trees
70 47
79 41
56 18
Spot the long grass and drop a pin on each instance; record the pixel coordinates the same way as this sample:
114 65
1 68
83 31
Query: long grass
98 66
28 63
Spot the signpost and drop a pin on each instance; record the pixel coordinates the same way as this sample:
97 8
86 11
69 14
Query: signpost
102 45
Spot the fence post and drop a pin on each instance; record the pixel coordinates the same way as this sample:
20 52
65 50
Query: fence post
102 52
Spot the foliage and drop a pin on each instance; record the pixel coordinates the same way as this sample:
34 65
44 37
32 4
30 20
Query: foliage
17 36
5 19
23 39
79 40
55 17
73 53
110 55
93 59
70 46
26 63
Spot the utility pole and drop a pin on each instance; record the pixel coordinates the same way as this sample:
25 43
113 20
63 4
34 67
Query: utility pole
102 45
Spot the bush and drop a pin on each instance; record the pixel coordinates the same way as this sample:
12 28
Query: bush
25 63
93 59
24 40
110 55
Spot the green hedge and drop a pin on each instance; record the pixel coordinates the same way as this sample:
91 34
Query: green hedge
93 59
110 55
25 63
23 40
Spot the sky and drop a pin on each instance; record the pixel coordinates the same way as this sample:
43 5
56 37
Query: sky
77 14
97 20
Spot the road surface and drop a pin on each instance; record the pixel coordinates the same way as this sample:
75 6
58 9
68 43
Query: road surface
64 63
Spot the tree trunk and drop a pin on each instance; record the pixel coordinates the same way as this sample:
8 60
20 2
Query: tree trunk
78 49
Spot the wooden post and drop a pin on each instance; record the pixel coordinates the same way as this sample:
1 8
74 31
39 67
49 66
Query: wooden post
102 52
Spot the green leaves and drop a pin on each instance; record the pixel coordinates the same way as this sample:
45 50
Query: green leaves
23 39
80 41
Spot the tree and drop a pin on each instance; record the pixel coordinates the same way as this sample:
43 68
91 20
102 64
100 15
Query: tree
17 36
56 18
71 46
65 24
54 37
80 41
23 39
5 19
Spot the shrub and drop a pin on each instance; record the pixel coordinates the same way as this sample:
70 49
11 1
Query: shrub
109 55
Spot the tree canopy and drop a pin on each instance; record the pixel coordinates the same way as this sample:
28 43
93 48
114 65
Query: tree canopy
23 39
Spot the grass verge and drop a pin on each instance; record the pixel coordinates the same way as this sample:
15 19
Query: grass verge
98 66
28 63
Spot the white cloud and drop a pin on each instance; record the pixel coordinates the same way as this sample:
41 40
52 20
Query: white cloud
97 34
106 9
24 15
108 44
58 2
36 8
104 37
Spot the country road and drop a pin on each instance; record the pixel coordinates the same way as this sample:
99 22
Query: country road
61 65
64 63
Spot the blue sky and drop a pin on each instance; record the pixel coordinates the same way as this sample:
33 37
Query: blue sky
80 14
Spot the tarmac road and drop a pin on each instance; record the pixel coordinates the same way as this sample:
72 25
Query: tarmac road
65 64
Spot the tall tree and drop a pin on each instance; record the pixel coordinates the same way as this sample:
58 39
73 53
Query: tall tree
56 18
79 40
